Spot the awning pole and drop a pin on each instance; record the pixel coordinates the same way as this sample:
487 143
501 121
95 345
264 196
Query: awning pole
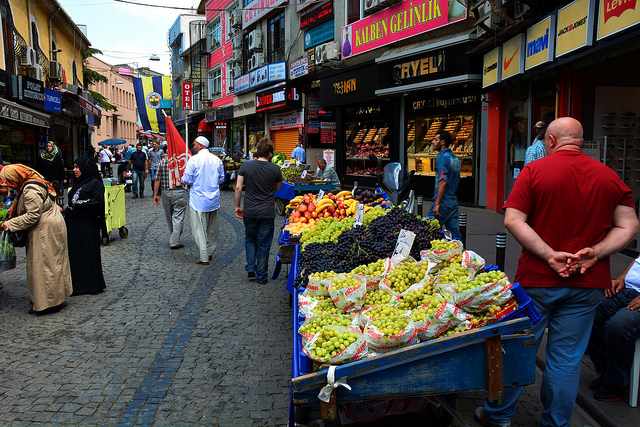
186 133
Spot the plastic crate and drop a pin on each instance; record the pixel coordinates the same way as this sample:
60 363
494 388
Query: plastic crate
525 308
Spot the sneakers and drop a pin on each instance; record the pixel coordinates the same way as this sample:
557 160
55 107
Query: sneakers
251 274
135 196
482 418
609 393
597 383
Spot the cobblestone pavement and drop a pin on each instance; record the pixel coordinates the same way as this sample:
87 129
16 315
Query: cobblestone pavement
169 342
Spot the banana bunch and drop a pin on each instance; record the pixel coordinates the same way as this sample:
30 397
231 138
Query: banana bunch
352 206
324 204
293 203
346 195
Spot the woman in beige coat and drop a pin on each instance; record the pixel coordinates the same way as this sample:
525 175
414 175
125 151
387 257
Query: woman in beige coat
34 210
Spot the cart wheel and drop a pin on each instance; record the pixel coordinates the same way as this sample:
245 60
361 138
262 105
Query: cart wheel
124 232
281 206
106 241
438 416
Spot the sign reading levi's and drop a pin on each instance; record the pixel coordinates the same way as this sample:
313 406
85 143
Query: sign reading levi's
617 15
398 22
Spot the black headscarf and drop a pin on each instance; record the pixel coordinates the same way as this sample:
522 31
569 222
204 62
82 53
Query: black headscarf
88 171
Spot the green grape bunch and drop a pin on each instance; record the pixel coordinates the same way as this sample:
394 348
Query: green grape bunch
406 274
482 279
343 281
453 274
444 245
316 323
326 307
380 311
378 296
332 341
323 275
413 299
392 325
375 268
422 313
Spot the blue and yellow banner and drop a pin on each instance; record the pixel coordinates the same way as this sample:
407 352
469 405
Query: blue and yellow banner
149 92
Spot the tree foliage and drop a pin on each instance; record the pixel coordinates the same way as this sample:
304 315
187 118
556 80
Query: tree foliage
91 77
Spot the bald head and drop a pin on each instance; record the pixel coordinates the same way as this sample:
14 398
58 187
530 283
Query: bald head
564 133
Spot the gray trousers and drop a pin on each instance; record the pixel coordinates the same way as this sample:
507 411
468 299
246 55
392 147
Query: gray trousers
204 227
174 202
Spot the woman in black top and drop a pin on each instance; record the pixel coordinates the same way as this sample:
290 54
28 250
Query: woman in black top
84 216
51 166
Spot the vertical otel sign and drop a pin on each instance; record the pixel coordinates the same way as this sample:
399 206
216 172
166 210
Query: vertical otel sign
187 96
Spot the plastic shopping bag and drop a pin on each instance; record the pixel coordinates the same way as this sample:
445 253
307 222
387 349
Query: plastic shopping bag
7 252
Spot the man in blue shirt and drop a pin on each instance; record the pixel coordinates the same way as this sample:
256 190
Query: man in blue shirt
445 205
139 162
298 153
536 150
204 173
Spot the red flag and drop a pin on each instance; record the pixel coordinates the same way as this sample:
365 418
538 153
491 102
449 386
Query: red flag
177 153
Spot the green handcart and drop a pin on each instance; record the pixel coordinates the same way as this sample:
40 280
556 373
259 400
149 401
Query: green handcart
114 211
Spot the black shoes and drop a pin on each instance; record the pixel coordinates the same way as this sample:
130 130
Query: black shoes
135 196
609 393
177 247
49 310
597 383
251 274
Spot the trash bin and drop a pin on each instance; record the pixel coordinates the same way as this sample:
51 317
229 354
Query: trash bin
114 210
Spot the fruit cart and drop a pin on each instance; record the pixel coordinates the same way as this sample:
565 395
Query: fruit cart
289 191
230 171
114 209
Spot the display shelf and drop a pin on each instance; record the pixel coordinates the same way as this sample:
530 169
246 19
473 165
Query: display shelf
364 138
367 158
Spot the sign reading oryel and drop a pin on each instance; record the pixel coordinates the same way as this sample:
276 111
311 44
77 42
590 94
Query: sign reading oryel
398 22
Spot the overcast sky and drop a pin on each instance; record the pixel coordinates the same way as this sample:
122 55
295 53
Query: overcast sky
127 32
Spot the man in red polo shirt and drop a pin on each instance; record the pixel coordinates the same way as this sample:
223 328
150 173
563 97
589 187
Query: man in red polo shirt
570 213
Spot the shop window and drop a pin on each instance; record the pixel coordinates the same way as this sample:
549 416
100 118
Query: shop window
215 82
54 50
216 34
518 128
230 76
367 132
276 39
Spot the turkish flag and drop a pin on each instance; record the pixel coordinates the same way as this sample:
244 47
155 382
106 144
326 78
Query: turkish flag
177 154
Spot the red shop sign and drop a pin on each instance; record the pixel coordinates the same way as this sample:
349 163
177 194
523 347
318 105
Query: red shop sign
187 96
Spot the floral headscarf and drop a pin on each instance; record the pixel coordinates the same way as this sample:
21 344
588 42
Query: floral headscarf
46 155
16 176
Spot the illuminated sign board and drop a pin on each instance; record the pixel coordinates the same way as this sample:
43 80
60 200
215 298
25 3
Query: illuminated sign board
617 15
575 26
540 43
316 16
491 68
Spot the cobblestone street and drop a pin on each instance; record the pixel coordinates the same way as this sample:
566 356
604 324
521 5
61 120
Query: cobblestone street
169 342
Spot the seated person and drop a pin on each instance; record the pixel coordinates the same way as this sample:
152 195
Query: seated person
615 329
327 173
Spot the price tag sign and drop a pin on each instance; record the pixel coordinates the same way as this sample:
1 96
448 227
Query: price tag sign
359 220
320 196
403 247
303 174
286 164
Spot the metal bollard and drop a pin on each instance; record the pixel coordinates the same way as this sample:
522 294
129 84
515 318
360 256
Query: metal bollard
420 202
501 247
462 227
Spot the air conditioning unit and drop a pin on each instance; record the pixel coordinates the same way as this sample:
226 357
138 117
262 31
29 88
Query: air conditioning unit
185 75
237 56
256 61
236 41
371 5
235 18
55 71
255 40
327 52
28 57
36 72
237 71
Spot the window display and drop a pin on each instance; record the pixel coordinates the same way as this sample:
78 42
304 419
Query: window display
421 131
363 139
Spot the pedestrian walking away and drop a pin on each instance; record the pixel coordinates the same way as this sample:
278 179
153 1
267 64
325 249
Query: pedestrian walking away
105 161
445 204
155 154
35 210
616 328
204 174
139 164
174 202
84 217
564 265
536 150
299 153
260 178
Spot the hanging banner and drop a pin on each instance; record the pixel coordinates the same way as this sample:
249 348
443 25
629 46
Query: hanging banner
150 91
616 16
400 21
187 96
177 154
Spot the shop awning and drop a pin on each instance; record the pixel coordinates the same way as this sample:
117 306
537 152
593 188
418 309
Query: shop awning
203 126
12 111
449 81
421 47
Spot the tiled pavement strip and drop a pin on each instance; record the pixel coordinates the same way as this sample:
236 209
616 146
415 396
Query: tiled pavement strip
170 342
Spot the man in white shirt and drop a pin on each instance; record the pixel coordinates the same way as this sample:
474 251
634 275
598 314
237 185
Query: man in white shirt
105 161
204 173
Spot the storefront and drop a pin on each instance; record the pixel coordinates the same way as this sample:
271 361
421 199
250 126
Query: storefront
22 130
364 124
223 118
438 88
282 102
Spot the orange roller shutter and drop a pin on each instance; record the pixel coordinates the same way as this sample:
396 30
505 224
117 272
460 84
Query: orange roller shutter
285 140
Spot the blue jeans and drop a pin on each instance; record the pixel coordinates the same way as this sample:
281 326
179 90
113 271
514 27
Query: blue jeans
153 175
448 218
568 312
613 337
258 235
138 176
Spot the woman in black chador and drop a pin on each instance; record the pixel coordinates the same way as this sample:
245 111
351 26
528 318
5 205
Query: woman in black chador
83 216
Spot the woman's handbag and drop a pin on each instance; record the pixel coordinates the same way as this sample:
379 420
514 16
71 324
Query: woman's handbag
18 238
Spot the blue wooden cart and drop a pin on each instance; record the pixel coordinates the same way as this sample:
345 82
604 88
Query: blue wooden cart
289 191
